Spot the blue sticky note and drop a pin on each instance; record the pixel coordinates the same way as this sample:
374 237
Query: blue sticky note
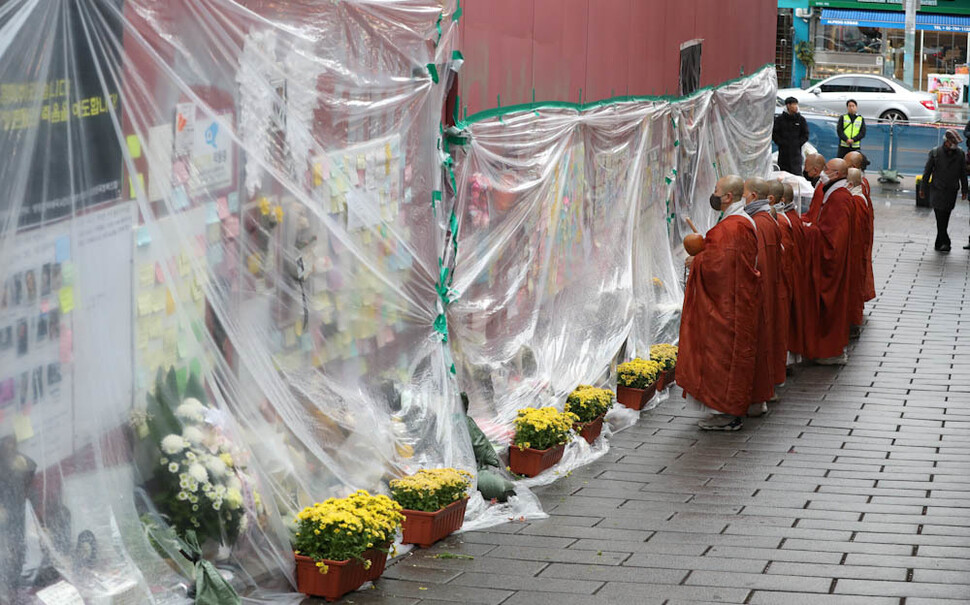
142 237
62 248
180 200
211 213
233 199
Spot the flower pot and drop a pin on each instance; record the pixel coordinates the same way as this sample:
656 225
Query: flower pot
671 376
529 462
424 528
662 381
341 577
635 399
378 561
590 430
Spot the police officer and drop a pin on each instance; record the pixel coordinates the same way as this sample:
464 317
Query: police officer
851 129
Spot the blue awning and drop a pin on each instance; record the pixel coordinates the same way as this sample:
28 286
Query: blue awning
895 20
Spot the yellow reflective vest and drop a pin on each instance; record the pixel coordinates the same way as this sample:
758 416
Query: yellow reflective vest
851 128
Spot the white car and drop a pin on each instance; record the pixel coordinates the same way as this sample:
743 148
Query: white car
878 98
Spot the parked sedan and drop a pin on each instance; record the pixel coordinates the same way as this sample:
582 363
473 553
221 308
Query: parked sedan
878 98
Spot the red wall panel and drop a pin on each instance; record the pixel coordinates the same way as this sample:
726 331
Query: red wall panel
604 46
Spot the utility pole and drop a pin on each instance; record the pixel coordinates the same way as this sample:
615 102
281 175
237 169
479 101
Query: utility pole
910 48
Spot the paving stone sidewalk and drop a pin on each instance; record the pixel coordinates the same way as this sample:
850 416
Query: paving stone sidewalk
855 489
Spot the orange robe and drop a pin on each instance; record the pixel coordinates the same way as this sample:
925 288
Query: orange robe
787 277
772 350
829 250
859 256
718 328
815 206
801 285
870 288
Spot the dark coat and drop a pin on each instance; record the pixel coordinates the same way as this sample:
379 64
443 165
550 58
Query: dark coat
789 134
949 173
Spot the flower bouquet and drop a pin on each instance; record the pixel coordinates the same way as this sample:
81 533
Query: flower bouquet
434 502
666 356
541 435
196 480
636 382
341 543
590 405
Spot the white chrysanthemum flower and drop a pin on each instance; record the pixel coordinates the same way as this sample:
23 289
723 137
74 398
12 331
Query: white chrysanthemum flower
182 496
173 444
198 472
184 483
190 456
234 499
217 468
191 411
234 483
173 467
195 507
244 524
221 490
164 460
193 435
193 499
216 505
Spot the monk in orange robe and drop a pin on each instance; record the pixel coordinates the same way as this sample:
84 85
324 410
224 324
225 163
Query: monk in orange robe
718 328
801 286
860 237
772 349
776 195
855 159
829 250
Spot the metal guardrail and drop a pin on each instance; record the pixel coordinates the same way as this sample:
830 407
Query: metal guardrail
888 145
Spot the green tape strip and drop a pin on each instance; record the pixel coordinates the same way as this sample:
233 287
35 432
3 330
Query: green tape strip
457 56
437 27
435 198
441 327
433 70
455 16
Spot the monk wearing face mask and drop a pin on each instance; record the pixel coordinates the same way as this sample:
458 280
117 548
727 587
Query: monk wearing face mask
718 329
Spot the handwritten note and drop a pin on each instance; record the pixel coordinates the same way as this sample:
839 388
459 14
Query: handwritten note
66 297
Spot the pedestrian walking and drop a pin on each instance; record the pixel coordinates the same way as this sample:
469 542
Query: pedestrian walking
790 132
945 174
851 129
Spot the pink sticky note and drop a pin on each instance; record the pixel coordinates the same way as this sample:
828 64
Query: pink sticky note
222 207
200 245
181 172
159 275
230 227
67 346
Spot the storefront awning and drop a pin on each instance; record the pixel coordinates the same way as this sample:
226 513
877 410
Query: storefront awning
895 20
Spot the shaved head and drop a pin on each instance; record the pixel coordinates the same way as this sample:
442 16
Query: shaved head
789 193
776 192
837 168
854 176
815 160
854 159
732 184
758 186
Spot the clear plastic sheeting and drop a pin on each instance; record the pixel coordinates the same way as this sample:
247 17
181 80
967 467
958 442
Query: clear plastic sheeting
571 220
246 267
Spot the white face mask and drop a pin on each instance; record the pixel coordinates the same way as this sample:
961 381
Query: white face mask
824 178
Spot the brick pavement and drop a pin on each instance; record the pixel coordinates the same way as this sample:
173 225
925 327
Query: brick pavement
855 489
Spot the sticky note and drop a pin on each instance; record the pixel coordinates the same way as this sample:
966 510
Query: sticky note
146 274
233 201
155 327
144 304
211 213
213 232
231 227
387 159
289 337
159 274
180 199
298 328
67 274
67 345
132 188
361 162
196 291
66 296
62 249
198 246
184 264
158 299
141 337
169 302
22 427
222 205
317 175
180 172
134 146
142 238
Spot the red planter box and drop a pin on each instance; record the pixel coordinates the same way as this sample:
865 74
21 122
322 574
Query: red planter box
530 462
671 378
378 562
341 577
424 529
635 399
590 430
662 381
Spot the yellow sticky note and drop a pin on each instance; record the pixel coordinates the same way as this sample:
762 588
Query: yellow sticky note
169 302
155 327
134 146
158 299
196 291
185 265
144 303
289 337
22 428
387 159
146 274
142 336
317 175
361 162
132 191
66 296
298 328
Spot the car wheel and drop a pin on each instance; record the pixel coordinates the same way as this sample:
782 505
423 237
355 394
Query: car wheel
893 115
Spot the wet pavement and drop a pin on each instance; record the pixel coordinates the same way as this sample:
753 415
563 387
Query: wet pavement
855 489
